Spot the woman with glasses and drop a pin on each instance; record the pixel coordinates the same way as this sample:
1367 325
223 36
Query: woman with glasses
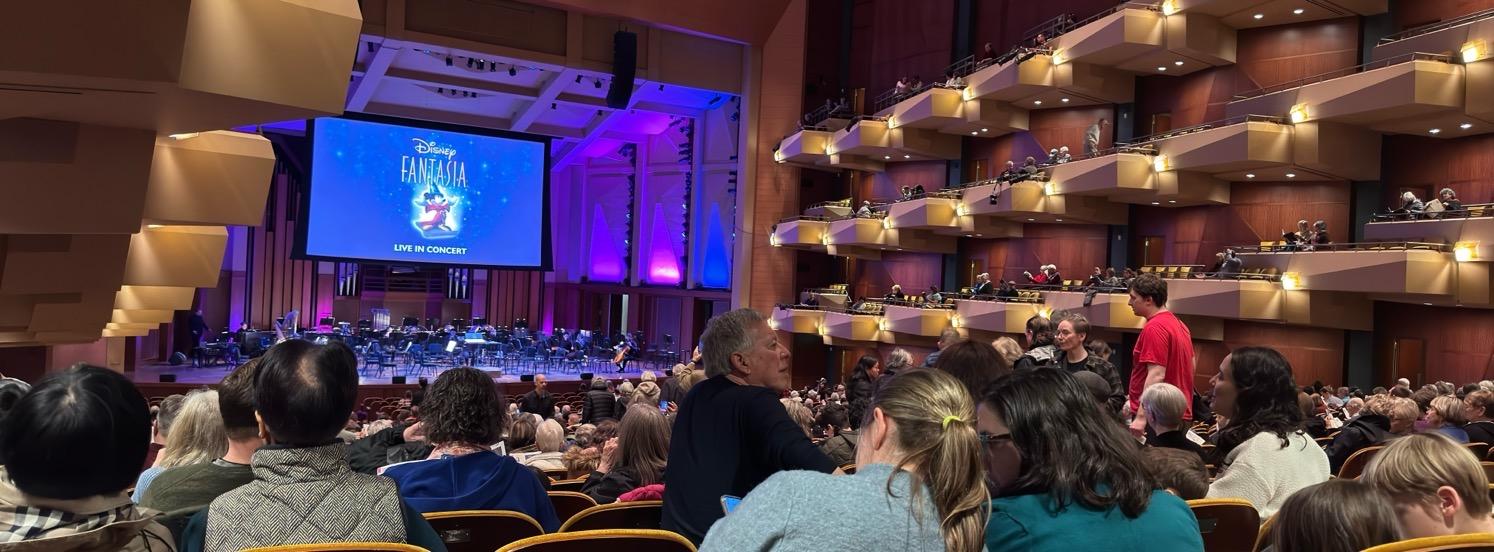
1068 477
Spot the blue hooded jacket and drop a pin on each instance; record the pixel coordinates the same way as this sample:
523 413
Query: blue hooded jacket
477 481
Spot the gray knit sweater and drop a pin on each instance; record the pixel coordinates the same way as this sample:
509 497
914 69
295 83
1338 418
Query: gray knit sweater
806 510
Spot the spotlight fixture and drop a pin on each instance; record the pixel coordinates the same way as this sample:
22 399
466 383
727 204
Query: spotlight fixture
1249 175
1259 16
578 79
1291 175
1466 126
1064 100
1435 131
448 61
512 72
1298 11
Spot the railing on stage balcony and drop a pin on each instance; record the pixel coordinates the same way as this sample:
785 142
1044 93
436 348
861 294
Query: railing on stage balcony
797 218
814 119
892 97
1143 149
1472 210
1336 73
1276 247
1152 139
1438 26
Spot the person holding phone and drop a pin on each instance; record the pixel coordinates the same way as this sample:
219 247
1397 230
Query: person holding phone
919 484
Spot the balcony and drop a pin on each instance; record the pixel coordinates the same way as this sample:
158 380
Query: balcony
805 148
1241 14
945 110
1474 31
1382 267
798 319
1266 300
1029 201
921 321
1472 231
1129 175
1106 310
1038 82
867 143
943 213
997 317
855 327
1410 94
1138 38
804 232
879 233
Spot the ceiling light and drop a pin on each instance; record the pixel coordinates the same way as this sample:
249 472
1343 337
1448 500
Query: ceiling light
1172 201
1059 220
1466 126
905 156
1178 63
1161 68
1031 220
183 136
1435 131
1064 100
152 226
1037 102
1291 175
887 157
1259 16
973 133
1298 11
1155 203
978 235
1427 304
988 130
1249 175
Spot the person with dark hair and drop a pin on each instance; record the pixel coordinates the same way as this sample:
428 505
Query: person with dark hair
1041 351
1263 454
303 394
599 404
859 385
11 390
1058 492
1164 350
840 430
1181 472
165 413
1073 357
633 459
181 491
1476 408
1338 515
975 363
70 449
1099 347
463 418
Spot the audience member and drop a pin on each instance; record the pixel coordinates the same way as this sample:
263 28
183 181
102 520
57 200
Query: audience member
11 390
521 431
549 438
196 437
982 283
303 394
1262 454
1041 352
1480 427
635 458
1445 416
599 404
731 433
1338 515
840 433
973 363
1449 200
896 294
1372 427
1008 290
1179 471
183 490
1320 234
859 385
1009 349
623 397
1313 423
917 485
1010 173
947 337
1063 154
1164 350
1403 415
1410 205
165 414
800 414
581 461
1352 408
1163 405
865 211
539 401
670 390
1436 487
646 395
1029 168
1057 492
1099 347
70 448
1073 330
1052 157
1092 137
897 361
933 296
462 419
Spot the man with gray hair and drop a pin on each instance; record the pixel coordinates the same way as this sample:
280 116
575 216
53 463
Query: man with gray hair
731 432
949 336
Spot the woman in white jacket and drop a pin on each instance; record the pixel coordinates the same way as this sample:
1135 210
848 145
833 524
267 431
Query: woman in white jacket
1263 454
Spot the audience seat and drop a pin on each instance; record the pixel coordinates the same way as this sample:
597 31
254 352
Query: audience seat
482 530
1263 537
1356 462
1227 524
642 514
1480 450
850 469
1488 469
569 503
557 475
1469 543
1324 441
340 547
612 540
568 484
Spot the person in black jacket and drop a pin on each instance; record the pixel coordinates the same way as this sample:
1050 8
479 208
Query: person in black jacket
539 401
1041 352
1480 425
1372 427
635 458
1164 405
599 404
859 387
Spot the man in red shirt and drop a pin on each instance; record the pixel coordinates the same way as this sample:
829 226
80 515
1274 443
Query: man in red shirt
1164 351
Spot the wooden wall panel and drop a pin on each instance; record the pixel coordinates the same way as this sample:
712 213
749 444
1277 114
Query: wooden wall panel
1004 22
895 39
1049 129
1458 348
914 271
1414 13
277 283
1464 164
513 294
1257 211
1265 56
1316 354
886 186
1075 249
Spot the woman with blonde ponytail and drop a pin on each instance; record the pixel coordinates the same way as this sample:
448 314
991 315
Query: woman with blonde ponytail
918 485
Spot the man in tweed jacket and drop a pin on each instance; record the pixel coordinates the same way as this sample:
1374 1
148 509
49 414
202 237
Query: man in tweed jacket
303 490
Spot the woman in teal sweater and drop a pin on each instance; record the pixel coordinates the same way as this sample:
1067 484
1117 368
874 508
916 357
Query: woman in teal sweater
1068 477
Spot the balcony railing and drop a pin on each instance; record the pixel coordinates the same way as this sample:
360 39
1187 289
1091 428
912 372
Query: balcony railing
1440 25
1353 246
1387 62
1154 138
802 218
1475 210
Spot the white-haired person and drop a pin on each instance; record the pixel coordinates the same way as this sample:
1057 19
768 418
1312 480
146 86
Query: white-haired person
731 433
1164 404
1437 488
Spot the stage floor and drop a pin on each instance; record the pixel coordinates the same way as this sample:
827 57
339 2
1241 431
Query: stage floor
211 375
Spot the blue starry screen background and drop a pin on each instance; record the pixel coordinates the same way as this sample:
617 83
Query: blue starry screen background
369 197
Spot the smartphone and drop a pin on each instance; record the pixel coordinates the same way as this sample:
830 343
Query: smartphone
729 503
663 406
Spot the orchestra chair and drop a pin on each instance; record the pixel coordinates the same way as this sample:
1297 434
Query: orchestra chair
557 475
1324 441
568 484
1491 491
1263 537
569 503
642 514
612 540
340 547
1227 524
850 469
482 530
1472 542
1480 450
1488 469
1356 462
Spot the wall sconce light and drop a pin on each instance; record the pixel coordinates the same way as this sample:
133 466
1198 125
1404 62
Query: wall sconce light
887 223
1298 113
954 321
1465 251
773 239
961 210
1160 163
1291 281
1058 57
1169 7
1048 188
772 323
1472 51
882 324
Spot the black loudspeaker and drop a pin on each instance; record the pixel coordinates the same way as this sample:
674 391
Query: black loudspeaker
168 378
624 65
526 377
398 380
585 376
177 359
